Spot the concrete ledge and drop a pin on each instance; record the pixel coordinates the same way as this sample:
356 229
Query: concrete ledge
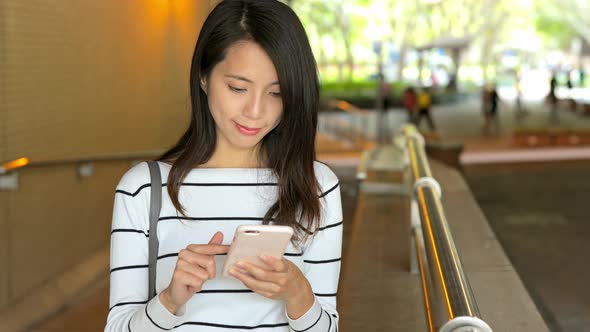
525 155
50 297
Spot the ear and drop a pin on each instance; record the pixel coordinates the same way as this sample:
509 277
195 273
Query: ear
203 84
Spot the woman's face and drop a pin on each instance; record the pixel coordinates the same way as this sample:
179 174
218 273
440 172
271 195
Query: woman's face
244 96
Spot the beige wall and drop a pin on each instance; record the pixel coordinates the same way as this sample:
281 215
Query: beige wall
86 77
82 78
4 240
55 220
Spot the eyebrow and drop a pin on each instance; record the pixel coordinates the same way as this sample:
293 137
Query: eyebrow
242 78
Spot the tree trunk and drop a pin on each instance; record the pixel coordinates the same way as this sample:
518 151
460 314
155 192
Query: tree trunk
349 59
456 55
402 61
420 67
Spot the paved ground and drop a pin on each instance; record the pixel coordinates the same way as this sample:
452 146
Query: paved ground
540 215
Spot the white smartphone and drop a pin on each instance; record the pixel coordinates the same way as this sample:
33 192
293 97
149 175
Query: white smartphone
252 240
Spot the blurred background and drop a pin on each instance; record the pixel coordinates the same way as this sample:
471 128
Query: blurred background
450 45
90 88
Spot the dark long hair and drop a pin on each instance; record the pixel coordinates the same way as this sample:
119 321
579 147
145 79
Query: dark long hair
288 148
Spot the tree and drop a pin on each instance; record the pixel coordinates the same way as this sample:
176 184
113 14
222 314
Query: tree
453 25
573 13
402 25
423 25
334 18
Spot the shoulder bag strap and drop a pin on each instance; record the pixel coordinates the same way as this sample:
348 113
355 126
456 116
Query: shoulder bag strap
155 205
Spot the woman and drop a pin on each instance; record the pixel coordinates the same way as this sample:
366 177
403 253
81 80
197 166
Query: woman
247 157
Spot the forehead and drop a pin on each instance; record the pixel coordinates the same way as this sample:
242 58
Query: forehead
248 59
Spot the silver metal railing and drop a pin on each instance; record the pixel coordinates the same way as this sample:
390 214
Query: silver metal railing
26 162
449 301
85 166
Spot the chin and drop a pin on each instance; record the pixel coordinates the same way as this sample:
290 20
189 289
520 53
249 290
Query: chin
246 145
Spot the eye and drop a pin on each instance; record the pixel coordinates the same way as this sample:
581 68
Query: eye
237 90
275 94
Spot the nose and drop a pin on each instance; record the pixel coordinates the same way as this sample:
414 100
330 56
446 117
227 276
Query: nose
254 108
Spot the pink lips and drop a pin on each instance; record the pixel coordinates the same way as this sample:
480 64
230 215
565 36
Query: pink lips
246 130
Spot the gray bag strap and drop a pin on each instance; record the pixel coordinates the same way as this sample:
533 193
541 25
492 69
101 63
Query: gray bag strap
155 204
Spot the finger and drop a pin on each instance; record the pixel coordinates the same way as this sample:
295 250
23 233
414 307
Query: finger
258 272
208 249
196 271
217 238
187 280
277 264
203 261
256 286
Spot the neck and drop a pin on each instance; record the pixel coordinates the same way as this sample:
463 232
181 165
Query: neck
227 157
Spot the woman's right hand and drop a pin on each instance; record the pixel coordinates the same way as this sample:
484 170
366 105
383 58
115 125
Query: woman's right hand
195 265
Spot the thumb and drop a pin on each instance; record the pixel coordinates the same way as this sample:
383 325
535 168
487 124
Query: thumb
217 238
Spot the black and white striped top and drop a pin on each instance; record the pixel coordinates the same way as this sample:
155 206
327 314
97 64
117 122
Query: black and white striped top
216 200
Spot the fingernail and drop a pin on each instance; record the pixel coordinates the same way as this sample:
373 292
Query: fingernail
240 264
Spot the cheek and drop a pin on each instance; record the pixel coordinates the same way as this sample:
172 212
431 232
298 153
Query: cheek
214 110
222 106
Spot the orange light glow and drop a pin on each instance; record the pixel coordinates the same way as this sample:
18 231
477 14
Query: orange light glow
17 163
343 105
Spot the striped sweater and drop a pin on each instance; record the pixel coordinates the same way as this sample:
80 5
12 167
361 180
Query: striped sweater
218 199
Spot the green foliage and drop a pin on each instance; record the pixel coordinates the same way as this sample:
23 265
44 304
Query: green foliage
359 93
358 89
341 89
554 32
363 94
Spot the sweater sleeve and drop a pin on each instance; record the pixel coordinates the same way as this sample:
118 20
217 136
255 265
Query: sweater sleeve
129 309
321 267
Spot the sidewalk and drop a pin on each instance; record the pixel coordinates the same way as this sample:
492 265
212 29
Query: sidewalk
464 122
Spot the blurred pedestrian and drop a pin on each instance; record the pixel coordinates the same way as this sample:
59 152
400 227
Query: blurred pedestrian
520 111
410 103
424 108
492 122
570 96
485 100
552 97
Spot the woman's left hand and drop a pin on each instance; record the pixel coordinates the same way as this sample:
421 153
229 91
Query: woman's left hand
279 279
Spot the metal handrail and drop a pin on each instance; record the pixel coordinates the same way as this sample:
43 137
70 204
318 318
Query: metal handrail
28 162
345 106
449 301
